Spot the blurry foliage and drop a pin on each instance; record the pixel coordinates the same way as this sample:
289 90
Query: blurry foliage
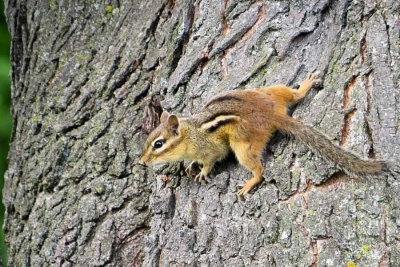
5 117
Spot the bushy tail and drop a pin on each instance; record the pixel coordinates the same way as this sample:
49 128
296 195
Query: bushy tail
320 144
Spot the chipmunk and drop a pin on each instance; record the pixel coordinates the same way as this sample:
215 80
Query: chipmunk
243 121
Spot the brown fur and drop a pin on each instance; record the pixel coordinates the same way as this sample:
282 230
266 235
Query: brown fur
243 121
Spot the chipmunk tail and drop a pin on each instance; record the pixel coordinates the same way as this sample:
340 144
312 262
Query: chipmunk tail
344 160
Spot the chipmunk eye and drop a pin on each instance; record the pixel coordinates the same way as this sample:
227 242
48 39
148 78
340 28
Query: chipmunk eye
158 143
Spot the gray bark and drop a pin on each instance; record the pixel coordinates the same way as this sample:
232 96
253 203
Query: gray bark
83 73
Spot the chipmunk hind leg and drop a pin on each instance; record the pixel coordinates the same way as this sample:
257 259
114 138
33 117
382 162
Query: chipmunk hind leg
249 155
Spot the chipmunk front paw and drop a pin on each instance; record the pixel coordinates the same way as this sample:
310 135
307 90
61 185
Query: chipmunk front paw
315 78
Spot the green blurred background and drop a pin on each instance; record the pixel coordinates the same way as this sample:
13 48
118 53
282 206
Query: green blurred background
5 117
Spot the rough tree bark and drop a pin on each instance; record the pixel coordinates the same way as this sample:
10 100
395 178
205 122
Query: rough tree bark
83 73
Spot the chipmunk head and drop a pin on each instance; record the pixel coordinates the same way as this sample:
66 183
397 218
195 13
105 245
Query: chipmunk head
164 142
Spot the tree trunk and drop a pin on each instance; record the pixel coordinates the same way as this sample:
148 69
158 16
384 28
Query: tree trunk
86 81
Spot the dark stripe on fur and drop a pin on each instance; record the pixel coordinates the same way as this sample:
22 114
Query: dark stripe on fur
174 144
221 99
214 116
219 124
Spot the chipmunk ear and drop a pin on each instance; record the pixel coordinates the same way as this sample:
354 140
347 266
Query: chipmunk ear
164 116
173 124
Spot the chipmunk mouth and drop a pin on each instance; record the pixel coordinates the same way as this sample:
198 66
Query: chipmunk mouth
146 161
141 163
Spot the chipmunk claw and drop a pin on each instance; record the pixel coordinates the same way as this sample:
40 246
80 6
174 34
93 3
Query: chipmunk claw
191 168
315 78
247 186
244 190
201 177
